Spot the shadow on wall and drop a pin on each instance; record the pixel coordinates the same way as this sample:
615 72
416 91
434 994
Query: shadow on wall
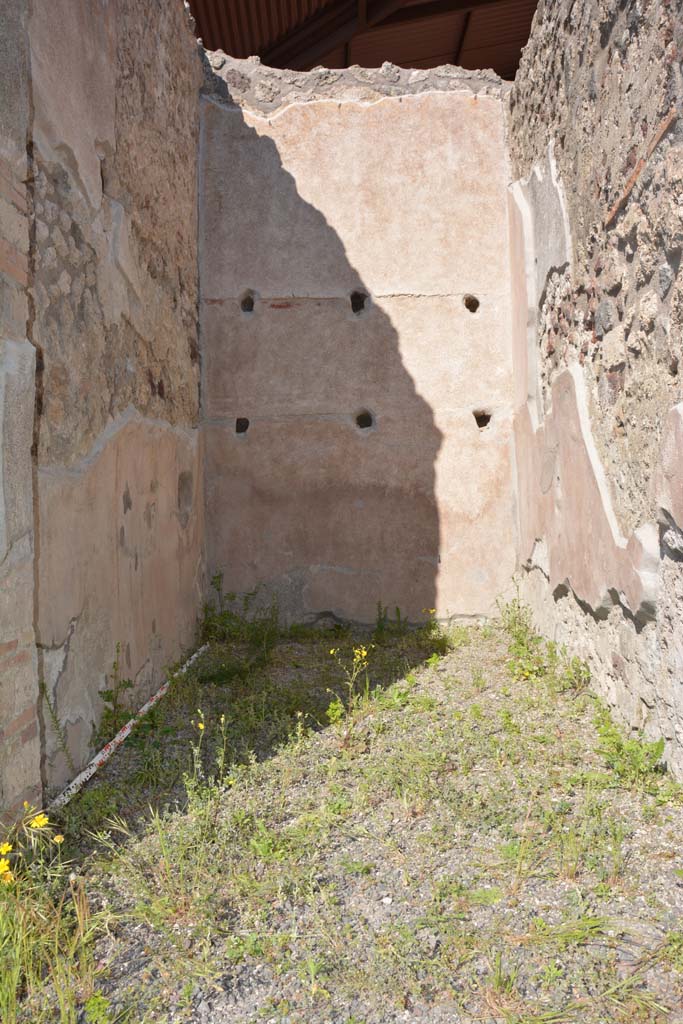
320 453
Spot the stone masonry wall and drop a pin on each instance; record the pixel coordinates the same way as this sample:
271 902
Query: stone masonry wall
118 513
596 139
19 726
356 389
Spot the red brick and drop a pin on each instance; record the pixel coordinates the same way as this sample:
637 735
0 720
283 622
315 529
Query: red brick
30 733
7 647
20 722
13 263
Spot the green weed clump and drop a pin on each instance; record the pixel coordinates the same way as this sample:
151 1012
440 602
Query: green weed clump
115 714
239 620
635 761
537 660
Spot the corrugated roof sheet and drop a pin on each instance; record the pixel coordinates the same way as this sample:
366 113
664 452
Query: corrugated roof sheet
445 32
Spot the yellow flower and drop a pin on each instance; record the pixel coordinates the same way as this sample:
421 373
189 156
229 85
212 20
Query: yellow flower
200 726
4 865
59 838
26 805
5 848
7 877
333 650
40 821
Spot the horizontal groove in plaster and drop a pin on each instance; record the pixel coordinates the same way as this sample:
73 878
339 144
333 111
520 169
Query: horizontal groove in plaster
129 416
499 414
263 299
344 570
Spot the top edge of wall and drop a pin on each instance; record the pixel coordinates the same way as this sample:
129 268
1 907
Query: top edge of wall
253 86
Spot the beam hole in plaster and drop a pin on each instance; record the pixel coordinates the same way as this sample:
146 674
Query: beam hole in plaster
365 420
241 425
482 418
471 303
247 302
359 301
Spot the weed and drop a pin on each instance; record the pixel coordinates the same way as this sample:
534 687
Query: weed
115 715
386 629
536 660
672 951
551 974
484 897
355 670
97 1009
45 921
527 650
93 807
313 971
57 726
503 982
573 932
233 619
634 761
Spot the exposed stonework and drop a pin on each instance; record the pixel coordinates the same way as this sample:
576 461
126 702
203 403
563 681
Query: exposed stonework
597 437
300 210
115 209
610 101
19 724
110 133
115 94
252 86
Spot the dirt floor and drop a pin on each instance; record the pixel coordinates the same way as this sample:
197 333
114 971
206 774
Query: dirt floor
325 826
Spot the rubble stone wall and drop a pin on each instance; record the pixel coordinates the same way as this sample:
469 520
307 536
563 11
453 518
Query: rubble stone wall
596 141
19 721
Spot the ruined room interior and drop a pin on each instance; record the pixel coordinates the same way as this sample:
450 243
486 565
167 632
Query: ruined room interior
350 309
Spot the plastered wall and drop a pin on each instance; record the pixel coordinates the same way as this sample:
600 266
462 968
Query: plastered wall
103 520
115 97
355 300
19 732
596 147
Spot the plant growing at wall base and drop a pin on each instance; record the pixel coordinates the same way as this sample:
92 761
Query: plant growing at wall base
385 627
57 725
230 618
534 659
116 715
634 760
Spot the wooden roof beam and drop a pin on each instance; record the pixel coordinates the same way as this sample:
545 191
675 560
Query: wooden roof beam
333 26
416 12
337 23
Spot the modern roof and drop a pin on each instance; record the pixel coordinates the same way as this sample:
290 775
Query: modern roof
302 34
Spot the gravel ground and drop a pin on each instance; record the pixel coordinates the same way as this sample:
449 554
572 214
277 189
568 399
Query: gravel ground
471 841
